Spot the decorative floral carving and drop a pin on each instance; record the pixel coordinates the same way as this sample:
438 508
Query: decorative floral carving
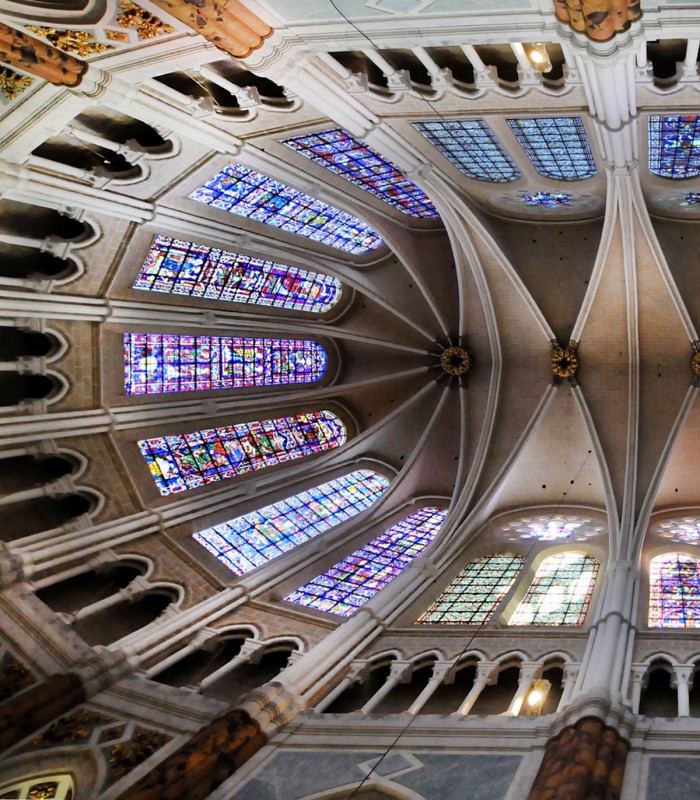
117 36
79 43
109 735
455 361
127 755
76 727
43 791
149 26
12 84
695 364
564 362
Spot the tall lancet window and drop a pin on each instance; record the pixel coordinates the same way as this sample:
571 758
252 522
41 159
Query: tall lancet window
473 595
472 147
174 266
250 194
674 146
155 363
188 460
560 592
339 152
247 542
557 146
674 591
350 583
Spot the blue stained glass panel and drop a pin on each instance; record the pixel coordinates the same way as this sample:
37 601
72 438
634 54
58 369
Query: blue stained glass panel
472 147
547 199
250 194
186 461
341 153
178 267
247 542
560 592
557 146
350 583
674 591
473 595
155 363
674 146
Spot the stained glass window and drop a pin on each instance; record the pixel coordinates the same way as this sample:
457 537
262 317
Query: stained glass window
547 199
674 146
341 153
471 146
247 542
250 194
560 592
473 595
158 362
350 583
174 266
185 461
557 146
551 527
685 530
691 199
674 591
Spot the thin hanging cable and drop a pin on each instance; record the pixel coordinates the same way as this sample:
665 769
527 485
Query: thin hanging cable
375 47
466 647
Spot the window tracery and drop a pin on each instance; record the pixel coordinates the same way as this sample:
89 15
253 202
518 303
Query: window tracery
350 583
472 147
557 146
343 154
243 191
186 461
547 199
560 592
473 595
178 267
548 528
251 540
684 530
674 591
674 146
155 363
44 787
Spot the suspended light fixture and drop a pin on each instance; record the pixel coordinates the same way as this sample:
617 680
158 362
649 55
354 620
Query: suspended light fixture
536 696
539 57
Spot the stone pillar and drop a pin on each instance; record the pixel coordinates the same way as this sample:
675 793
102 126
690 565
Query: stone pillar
528 673
586 761
485 674
251 651
230 26
19 49
400 672
598 19
568 683
357 672
682 676
440 672
199 766
30 710
639 674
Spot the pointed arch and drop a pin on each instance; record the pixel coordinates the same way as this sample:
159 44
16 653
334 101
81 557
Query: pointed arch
350 583
674 591
472 597
251 540
560 592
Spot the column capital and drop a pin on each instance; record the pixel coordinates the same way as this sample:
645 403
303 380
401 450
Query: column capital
682 674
